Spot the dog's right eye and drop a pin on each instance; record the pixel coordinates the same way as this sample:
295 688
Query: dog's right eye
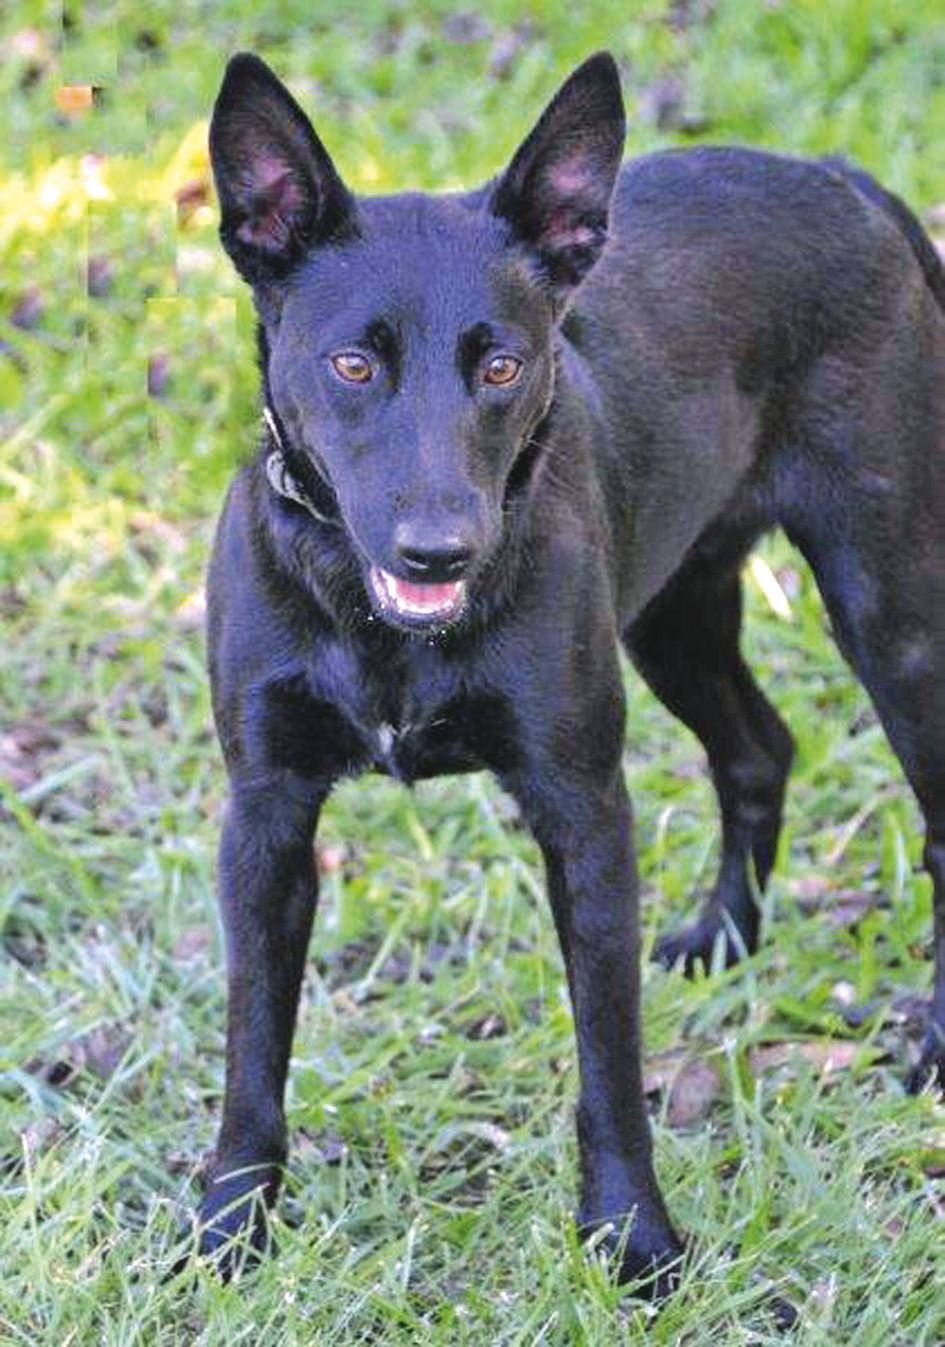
352 367
502 370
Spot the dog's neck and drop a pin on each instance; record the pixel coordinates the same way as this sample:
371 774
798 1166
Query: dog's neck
283 480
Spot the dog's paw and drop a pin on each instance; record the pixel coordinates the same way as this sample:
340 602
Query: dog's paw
929 1070
233 1228
697 944
647 1256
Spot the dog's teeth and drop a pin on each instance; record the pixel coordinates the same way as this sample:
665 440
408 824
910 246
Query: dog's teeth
413 600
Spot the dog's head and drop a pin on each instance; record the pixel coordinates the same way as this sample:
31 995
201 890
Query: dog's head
410 339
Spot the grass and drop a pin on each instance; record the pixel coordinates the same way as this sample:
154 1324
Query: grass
433 1168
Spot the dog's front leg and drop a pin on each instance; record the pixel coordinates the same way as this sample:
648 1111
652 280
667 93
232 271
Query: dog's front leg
585 836
268 890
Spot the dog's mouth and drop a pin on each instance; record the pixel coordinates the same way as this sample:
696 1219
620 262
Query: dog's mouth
418 604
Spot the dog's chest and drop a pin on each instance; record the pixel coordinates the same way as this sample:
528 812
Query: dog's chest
435 726
409 719
411 750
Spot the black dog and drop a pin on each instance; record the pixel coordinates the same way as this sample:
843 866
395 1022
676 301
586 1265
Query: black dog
507 431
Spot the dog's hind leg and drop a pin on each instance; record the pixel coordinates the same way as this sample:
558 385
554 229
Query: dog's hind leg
685 644
888 616
865 502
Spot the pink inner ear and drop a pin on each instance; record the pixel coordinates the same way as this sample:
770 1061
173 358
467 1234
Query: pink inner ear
570 186
570 178
276 200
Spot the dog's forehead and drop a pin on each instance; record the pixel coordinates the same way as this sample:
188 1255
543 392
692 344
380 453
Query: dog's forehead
433 262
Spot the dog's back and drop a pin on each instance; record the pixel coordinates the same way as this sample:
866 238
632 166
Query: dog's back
732 277
925 252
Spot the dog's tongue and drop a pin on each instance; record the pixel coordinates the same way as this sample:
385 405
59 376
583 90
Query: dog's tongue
429 598
411 600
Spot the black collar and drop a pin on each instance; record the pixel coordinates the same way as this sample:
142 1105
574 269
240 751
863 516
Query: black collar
281 478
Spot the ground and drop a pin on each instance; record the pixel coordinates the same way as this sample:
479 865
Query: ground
431 1097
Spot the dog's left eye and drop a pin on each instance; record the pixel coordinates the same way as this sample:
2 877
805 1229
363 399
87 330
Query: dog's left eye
353 367
502 370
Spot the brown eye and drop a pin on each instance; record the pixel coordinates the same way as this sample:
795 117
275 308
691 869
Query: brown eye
502 369
353 368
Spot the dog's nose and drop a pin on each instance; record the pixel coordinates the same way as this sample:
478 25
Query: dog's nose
430 559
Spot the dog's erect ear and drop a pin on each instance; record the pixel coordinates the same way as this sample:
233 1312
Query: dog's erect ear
279 191
556 192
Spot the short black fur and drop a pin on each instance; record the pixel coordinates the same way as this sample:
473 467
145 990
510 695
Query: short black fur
543 419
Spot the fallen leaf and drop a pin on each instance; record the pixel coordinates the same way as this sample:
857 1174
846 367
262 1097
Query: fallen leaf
102 1049
661 1069
99 1052
841 908
808 889
691 1085
847 910
830 1055
22 749
40 1136
692 1093
486 1131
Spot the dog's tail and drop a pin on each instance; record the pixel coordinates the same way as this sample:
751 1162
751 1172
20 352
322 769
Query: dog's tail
922 246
